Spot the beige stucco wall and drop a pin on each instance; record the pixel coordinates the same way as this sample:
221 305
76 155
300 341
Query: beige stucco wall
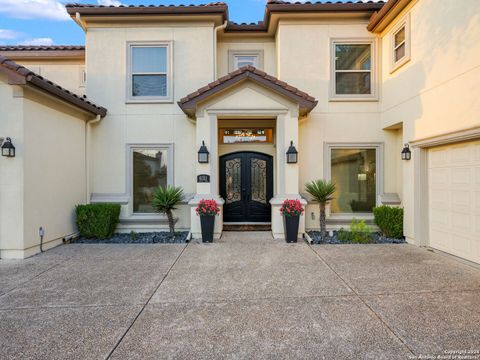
147 123
66 73
436 92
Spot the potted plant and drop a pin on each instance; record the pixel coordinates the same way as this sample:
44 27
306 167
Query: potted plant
291 211
165 200
322 191
207 210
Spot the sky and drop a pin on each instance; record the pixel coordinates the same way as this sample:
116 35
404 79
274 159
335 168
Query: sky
45 22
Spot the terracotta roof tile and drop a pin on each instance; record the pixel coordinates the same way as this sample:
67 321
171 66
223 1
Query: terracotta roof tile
189 102
49 86
41 47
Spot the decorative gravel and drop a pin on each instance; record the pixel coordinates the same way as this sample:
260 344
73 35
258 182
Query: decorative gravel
376 238
139 238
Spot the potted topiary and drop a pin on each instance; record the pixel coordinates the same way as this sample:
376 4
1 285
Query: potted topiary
207 210
291 211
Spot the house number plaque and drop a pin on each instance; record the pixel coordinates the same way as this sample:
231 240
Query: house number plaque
203 178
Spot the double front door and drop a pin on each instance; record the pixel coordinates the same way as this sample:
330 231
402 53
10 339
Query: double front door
246 184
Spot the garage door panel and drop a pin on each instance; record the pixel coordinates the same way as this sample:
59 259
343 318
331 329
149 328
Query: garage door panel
454 199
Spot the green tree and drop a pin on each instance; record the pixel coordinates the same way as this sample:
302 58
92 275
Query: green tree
322 191
165 200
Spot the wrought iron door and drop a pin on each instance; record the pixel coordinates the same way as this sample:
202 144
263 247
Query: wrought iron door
246 184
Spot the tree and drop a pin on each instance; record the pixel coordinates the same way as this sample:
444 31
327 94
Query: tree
322 191
165 199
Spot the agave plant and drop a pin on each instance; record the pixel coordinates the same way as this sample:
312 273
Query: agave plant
165 200
322 191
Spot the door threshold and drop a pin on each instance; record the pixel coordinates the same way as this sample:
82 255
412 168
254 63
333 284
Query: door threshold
247 223
247 226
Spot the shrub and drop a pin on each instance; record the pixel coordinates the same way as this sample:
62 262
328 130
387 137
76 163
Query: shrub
165 200
360 233
389 220
322 191
97 220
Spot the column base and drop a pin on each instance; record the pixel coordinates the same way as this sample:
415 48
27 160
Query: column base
195 227
277 218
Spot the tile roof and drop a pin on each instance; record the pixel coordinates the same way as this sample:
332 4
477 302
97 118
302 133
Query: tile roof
20 75
305 101
41 47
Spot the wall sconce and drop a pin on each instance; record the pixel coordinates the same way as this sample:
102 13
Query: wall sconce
203 154
406 153
8 149
292 154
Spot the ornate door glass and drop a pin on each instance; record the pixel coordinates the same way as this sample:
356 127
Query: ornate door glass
233 180
259 180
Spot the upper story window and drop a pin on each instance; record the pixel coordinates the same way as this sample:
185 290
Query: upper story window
150 72
240 58
353 70
400 40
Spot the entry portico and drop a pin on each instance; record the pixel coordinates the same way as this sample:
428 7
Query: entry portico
240 97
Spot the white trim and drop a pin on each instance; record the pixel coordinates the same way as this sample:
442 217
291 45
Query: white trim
129 170
404 23
327 168
150 99
448 138
232 54
373 70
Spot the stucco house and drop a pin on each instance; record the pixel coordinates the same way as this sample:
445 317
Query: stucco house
349 85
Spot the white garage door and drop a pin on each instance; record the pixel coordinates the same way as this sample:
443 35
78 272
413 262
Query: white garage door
454 199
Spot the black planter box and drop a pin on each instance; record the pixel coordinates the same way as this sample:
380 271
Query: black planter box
208 225
290 226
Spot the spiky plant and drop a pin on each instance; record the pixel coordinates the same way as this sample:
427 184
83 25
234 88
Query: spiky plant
322 191
165 200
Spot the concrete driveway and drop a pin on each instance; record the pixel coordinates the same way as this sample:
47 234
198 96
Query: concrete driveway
246 296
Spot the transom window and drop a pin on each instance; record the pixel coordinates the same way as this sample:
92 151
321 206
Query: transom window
151 168
150 72
354 171
246 136
353 75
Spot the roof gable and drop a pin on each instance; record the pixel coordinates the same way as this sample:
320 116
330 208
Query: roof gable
305 102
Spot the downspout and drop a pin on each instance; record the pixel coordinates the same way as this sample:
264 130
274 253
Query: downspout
215 32
88 124
79 21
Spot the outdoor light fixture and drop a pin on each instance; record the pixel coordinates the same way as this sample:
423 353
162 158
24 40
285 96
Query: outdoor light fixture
406 153
203 154
7 148
292 154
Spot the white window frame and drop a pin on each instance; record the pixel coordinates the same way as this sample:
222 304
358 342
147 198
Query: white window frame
129 180
404 23
233 54
150 99
373 70
379 176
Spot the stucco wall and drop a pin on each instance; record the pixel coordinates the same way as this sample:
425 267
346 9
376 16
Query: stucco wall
436 92
147 123
11 169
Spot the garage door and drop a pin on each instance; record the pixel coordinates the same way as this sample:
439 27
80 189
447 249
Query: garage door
454 199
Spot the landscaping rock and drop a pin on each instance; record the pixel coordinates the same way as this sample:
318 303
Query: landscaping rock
376 238
139 238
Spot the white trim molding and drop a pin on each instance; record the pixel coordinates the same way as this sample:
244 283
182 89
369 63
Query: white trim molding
447 138
169 74
373 96
327 168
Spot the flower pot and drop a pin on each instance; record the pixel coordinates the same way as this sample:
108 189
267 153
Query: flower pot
290 226
208 225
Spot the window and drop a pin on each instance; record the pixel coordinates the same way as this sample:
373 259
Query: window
243 136
151 167
150 72
400 40
353 75
354 170
240 58
82 77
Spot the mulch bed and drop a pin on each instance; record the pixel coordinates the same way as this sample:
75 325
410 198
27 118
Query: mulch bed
375 238
138 238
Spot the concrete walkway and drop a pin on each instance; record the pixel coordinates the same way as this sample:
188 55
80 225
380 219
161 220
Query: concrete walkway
246 296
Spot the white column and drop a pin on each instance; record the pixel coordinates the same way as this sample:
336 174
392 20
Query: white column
287 174
207 131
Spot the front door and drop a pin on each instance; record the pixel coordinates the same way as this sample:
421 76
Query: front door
246 184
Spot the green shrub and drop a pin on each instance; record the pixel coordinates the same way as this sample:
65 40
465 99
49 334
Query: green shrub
360 233
389 220
97 220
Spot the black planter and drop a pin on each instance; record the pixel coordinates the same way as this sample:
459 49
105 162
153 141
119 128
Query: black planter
290 226
208 225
